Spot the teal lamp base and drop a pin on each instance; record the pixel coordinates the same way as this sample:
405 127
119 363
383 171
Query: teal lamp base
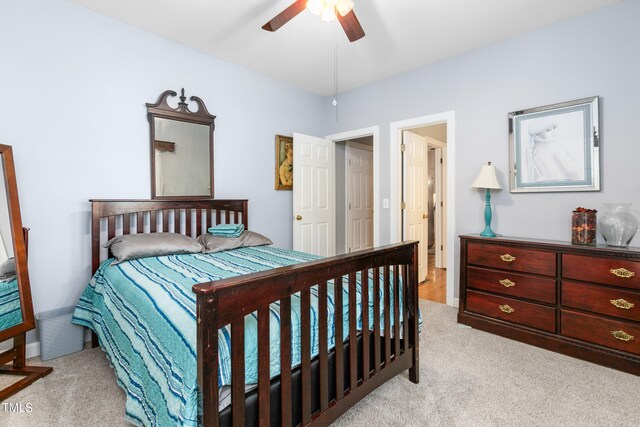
487 232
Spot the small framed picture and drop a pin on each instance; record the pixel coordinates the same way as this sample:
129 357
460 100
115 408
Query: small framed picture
284 162
555 147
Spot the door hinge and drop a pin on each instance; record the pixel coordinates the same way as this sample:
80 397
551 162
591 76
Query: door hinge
349 162
349 250
349 205
440 160
441 248
403 205
403 147
441 205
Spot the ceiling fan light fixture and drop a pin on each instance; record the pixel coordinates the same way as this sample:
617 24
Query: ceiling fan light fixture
344 7
328 13
315 6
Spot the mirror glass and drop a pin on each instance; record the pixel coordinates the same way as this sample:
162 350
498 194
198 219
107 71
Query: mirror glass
182 158
10 308
181 147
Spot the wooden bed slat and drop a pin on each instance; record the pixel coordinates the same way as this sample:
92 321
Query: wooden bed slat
165 221
140 223
412 297
305 351
353 336
198 213
405 310
264 367
237 373
376 319
187 222
323 344
217 217
337 298
285 360
177 213
387 318
366 351
153 221
396 310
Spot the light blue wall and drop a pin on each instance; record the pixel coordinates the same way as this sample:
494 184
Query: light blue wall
74 88
593 54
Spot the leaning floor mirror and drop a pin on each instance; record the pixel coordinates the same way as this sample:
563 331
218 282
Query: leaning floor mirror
16 308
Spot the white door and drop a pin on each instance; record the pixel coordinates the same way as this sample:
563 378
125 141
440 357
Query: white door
313 195
415 189
359 198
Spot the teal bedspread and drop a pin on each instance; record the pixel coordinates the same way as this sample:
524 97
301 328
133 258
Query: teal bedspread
144 314
10 309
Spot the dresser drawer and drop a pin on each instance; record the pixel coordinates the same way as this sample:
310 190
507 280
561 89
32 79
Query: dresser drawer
511 310
608 271
620 335
512 258
601 299
539 288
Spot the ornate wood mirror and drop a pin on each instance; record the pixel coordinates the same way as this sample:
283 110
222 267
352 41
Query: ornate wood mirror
16 308
181 149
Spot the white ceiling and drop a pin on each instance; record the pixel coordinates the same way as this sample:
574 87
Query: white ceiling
401 35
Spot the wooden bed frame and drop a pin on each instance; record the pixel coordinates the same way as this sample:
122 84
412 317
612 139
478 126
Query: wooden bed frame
228 301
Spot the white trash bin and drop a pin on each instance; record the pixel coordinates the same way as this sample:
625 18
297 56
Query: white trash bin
57 335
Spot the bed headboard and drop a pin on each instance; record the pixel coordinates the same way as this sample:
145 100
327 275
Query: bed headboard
188 217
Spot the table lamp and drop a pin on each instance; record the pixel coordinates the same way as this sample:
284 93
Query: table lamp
488 180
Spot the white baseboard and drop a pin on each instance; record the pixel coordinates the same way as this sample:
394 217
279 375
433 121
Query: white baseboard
456 302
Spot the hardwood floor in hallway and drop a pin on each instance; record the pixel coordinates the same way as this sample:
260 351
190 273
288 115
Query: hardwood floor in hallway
435 287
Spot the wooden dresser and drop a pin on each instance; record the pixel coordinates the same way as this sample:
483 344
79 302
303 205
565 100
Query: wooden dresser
582 301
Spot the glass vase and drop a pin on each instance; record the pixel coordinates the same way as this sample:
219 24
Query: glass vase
618 225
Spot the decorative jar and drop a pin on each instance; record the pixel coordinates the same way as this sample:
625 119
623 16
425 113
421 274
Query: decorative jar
583 226
618 225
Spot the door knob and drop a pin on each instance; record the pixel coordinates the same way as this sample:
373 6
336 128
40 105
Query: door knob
299 218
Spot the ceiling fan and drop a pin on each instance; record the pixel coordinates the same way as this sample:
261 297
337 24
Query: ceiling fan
327 10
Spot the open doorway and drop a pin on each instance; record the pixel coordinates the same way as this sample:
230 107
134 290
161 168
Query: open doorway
357 183
424 186
354 194
421 197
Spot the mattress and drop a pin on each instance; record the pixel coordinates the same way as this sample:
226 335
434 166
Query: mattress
10 309
144 314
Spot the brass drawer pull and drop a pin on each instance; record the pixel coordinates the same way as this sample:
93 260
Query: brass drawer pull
509 310
507 258
622 336
620 303
622 272
507 283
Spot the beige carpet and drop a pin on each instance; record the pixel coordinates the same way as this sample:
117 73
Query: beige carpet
468 377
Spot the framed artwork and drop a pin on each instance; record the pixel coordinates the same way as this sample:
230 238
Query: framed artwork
555 148
284 162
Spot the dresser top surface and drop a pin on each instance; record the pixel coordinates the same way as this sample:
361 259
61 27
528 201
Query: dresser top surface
552 244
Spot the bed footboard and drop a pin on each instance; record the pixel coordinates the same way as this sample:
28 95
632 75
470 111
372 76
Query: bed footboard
394 344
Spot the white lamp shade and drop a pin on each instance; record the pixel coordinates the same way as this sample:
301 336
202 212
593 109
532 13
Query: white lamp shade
487 178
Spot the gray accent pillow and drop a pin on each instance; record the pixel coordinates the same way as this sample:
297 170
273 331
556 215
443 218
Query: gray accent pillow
214 244
8 269
132 246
